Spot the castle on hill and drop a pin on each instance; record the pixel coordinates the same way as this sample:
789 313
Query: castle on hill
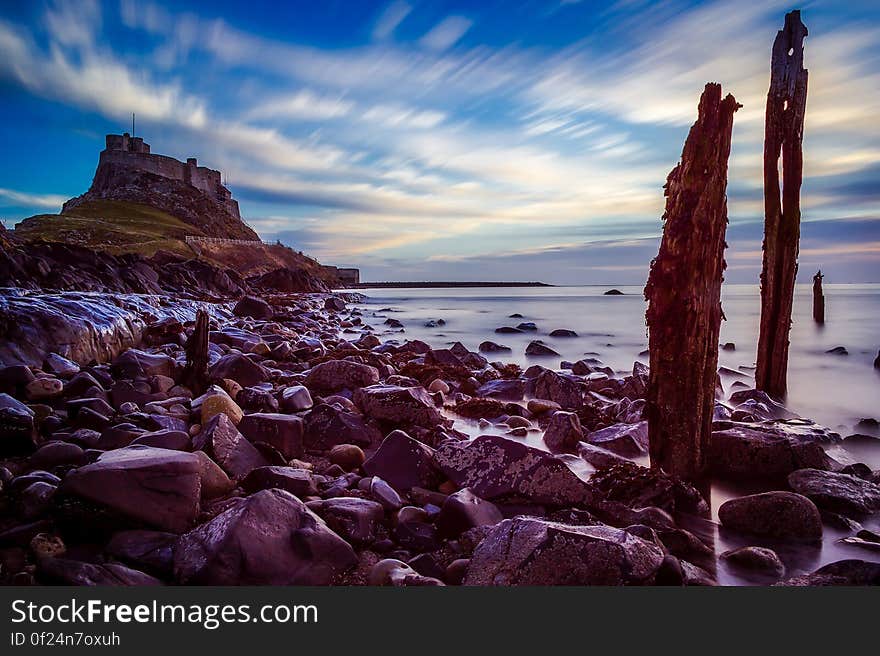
134 153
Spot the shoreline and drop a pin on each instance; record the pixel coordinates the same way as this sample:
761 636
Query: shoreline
444 285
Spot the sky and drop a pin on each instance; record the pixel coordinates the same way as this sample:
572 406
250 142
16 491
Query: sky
427 140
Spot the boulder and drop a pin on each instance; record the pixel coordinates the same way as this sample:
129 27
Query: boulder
842 572
299 482
783 515
752 453
239 368
531 551
295 399
492 347
151 551
756 561
559 389
221 440
495 467
63 571
352 518
463 511
538 348
268 538
17 430
347 456
510 390
214 402
628 440
335 375
327 426
399 405
837 492
563 432
404 462
159 487
253 307
282 432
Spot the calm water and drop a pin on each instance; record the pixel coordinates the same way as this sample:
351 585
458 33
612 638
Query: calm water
833 390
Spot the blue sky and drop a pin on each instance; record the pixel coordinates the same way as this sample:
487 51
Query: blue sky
448 140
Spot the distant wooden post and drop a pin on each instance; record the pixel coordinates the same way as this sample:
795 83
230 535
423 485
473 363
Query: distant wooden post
783 133
684 294
195 374
818 298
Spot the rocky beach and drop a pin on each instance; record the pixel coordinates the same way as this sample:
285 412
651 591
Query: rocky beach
326 450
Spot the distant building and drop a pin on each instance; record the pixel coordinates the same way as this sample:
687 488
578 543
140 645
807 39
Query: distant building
134 153
346 276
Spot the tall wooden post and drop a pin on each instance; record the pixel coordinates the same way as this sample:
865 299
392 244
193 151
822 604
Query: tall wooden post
684 294
783 133
818 298
195 374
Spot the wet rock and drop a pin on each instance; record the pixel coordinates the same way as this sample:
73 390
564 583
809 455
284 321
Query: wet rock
494 467
347 456
416 536
511 390
759 561
253 307
598 457
239 368
156 486
335 375
540 406
401 405
463 511
507 330
563 332
166 439
268 538
559 389
60 366
61 571
385 494
404 462
282 432
327 426
531 551
842 572
354 519
215 482
150 551
563 432
44 388
784 515
838 350
334 303
221 440
643 487
257 399
837 492
774 410
751 453
299 482
728 346
538 348
492 347
53 454
295 399
396 573
35 499
628 440
17 431
613 292
215 402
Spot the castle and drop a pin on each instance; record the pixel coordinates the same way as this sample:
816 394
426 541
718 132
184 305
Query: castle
134 153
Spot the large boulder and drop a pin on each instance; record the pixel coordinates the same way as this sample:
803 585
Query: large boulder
282 432
784 515
531 551
239 368
627 440
752 453
400 405
494 467
563 432
403 462
268 538
327 426
560 389
230 449
159 487
335 375
837 492
253 307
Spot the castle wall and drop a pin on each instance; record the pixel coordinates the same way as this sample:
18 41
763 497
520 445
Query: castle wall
133 153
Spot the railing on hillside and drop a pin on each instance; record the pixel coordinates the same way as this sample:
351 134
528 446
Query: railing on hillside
220 240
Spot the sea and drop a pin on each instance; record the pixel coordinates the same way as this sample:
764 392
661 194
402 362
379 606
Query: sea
826 386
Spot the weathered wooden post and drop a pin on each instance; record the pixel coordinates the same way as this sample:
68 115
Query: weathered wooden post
783 133
195 374
818 298
684 294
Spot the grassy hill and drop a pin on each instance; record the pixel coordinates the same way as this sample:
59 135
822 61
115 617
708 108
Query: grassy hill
118 227
112 226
